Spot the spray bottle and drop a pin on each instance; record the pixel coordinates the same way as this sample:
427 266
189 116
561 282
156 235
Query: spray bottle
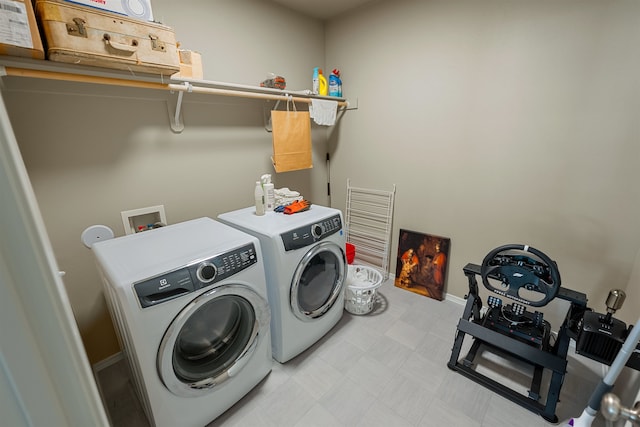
269 193
315 88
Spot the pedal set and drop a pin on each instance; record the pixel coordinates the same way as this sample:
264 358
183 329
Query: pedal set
518 310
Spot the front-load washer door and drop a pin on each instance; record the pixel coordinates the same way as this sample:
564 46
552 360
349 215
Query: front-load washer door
318 281
211 339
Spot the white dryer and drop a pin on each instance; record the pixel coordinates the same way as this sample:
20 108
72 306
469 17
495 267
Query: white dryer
190 307
305 264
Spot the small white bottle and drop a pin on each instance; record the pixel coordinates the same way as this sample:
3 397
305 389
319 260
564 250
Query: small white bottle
269 197
259 198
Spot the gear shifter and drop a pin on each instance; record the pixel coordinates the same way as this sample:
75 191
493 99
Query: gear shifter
602 335
614 302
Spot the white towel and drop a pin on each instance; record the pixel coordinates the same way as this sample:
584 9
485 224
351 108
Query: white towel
284 196
323 111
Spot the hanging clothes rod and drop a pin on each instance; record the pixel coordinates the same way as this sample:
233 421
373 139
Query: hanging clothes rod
188 87
176 123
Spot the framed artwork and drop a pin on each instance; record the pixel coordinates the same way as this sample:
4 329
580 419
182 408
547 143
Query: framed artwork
422 263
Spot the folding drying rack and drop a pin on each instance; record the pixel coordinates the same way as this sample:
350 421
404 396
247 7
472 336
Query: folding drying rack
369 218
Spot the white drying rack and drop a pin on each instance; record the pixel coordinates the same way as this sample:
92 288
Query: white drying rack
369 220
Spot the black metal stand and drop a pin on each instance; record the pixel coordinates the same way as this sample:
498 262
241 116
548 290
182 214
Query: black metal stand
541 357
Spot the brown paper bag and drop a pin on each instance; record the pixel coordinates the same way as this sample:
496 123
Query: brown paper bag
291 140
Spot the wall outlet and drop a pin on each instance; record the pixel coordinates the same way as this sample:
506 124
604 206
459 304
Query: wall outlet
143 219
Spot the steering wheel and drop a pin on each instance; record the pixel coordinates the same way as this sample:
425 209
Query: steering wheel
521 266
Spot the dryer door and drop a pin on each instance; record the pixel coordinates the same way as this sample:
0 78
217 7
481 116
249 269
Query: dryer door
211 339
318 281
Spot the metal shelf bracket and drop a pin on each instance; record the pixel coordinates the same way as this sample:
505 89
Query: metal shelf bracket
175 114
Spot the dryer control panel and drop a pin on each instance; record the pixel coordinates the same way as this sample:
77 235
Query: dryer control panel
309 234
195 276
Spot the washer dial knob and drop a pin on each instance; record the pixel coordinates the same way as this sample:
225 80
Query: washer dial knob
316 230
206 272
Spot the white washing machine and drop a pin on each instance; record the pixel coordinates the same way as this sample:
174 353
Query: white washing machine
305 264
190 307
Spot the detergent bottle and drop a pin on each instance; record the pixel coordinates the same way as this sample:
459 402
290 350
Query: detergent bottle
323 88
335 84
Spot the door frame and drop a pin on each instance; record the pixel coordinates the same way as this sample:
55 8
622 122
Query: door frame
45 375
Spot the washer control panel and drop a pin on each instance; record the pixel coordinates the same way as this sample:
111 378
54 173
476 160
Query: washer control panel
311 233
195 276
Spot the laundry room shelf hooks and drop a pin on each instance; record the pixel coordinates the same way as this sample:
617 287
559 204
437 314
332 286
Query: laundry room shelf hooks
175 117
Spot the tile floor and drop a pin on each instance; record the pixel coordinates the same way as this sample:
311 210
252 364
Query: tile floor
386 368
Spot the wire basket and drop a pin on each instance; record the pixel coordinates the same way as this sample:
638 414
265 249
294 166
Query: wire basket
360 292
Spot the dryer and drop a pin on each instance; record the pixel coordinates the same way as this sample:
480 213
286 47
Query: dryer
305 265
189 305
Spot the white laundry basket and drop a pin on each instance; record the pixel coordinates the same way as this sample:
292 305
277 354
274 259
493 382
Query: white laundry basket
360 292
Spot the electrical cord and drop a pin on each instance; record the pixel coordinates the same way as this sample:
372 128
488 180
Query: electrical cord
487 315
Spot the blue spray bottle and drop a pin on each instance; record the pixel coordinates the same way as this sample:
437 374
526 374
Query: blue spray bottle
315 87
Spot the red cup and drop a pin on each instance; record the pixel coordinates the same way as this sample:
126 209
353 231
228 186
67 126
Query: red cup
351 253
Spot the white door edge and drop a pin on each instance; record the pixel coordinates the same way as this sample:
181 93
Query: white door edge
36 308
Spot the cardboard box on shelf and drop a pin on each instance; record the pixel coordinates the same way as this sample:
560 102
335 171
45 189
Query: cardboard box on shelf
190 65
19 35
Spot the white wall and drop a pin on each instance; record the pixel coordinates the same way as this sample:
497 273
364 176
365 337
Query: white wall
499 122
92 152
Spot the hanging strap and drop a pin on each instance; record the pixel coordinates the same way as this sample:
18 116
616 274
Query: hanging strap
290 100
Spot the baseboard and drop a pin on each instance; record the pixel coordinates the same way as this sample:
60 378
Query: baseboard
457 300
105 363
448 297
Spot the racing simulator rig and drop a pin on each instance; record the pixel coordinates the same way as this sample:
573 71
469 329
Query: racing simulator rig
521 278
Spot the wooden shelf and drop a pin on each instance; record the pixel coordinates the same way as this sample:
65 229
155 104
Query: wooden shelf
44 69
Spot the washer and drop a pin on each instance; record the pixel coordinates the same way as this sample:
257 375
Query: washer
189 304
305 264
